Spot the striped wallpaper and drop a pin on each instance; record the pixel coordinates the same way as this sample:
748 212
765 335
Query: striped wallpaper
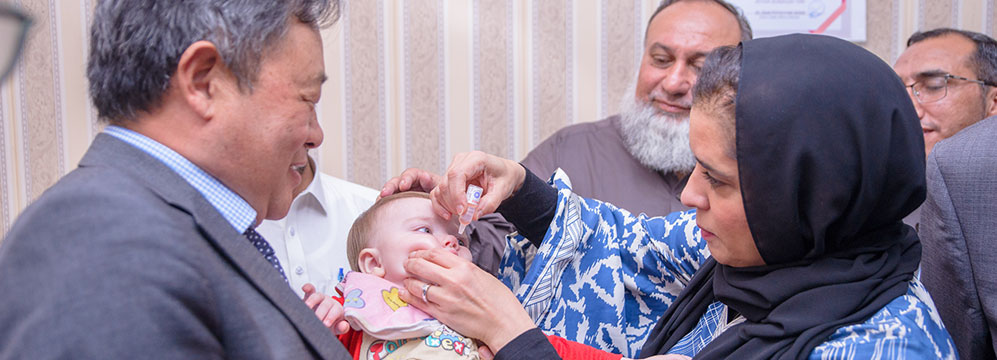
411 82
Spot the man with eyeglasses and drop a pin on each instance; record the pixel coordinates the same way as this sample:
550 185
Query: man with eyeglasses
952 76
953 79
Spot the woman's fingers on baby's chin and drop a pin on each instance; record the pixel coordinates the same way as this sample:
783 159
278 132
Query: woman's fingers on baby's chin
418 254
445 259
411 292
423 261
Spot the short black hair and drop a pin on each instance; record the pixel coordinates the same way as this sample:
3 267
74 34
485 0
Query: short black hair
135 45
983 61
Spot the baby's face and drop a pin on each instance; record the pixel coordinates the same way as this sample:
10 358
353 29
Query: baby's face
409 224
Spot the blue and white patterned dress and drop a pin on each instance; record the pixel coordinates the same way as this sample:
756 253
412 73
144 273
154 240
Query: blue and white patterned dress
604 277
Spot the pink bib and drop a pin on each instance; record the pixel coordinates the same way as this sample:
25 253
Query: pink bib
371 304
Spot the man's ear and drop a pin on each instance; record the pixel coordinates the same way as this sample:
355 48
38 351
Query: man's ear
200 77
369 262
990 101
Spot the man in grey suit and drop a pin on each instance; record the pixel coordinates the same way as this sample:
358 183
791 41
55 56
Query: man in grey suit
952 76
148 249
959 235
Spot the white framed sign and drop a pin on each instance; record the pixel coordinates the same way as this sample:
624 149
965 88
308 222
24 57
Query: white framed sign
841 18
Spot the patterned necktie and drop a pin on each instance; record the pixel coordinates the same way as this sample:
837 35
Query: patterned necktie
264 247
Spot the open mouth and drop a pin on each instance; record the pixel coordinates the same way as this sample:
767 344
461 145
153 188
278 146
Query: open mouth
300 169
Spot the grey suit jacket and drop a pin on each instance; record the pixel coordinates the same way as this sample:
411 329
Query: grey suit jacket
959 234
122 258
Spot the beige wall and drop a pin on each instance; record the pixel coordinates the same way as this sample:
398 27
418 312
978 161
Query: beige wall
411 82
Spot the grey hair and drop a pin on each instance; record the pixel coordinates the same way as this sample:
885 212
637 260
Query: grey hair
135 45
716 89
983 61
746 33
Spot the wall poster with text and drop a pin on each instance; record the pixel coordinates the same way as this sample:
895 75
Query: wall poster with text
842 18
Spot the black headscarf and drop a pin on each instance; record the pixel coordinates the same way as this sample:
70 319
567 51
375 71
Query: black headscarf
831 158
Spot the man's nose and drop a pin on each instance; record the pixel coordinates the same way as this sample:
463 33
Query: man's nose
678 81
917 104
315 135
918 108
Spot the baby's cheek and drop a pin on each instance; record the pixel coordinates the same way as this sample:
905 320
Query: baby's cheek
464 253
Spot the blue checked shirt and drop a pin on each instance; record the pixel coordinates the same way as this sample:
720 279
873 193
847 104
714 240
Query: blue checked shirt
233 207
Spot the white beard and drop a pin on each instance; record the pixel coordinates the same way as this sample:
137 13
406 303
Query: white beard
657 139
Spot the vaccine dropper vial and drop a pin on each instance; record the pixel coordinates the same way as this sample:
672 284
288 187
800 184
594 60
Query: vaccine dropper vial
473 197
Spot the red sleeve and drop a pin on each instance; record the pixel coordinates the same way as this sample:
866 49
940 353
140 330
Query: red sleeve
352 339
568 349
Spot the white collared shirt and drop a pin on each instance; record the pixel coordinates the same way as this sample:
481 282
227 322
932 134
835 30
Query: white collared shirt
310 241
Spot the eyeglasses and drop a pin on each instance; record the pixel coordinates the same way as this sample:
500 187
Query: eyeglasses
934 87
14 25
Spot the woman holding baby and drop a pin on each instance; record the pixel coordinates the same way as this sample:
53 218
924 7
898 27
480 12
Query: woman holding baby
808 156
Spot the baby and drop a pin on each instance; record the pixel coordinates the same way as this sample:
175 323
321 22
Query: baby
382 326
383 236
378 244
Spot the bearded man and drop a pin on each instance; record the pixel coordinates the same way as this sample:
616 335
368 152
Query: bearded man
640 159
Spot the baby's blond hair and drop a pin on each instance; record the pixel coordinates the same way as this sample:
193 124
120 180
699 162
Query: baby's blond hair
363 226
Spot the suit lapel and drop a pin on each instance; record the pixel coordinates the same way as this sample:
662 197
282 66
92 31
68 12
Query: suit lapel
261 274
231 244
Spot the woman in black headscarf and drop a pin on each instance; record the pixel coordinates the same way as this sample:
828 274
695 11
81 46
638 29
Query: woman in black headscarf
821 148
808 157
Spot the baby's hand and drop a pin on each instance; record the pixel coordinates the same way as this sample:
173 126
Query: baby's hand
327 309
485 353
